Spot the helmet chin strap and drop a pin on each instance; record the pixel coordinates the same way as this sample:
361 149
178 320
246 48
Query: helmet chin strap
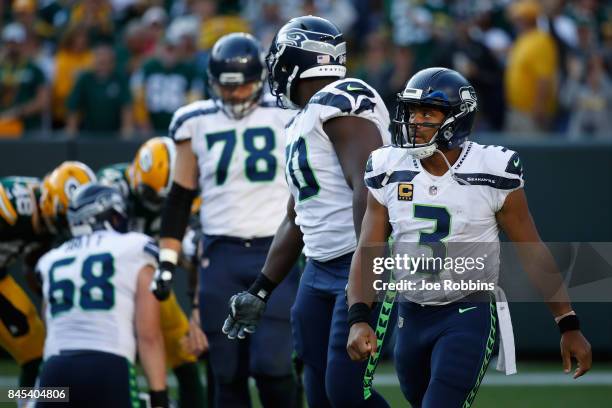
450 169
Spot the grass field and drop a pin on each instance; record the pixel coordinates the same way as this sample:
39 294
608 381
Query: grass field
538 385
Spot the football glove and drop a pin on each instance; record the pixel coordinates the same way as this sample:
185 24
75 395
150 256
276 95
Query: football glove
245 311
161 285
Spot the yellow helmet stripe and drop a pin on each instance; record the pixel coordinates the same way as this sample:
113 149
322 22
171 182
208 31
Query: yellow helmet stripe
6 208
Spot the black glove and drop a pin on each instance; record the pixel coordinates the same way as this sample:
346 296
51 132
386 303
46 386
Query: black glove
245 311
161 285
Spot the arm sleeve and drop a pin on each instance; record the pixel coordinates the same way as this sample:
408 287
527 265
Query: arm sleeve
510 171
146 252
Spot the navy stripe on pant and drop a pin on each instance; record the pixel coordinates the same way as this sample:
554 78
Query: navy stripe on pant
442 352
230 265
96 380
320 331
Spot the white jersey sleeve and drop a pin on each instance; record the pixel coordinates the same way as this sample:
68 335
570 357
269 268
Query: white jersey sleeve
495 167
506 166
183 125
375 174
353 97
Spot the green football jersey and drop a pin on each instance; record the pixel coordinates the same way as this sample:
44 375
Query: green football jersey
166 89
19 216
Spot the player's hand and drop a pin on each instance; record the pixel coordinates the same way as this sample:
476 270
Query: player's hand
573 344
361 342
161 285
196 341
245 311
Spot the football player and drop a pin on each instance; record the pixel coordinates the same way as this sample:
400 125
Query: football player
434 189
341 120
32 213
235 144
144 183
22 230
94 286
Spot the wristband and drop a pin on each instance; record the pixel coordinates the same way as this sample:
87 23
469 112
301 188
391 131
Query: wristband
168 255
262 287
159 398
569 323
359 313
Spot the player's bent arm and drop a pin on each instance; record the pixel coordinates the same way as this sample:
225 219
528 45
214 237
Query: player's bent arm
148 332
175 217
536 259
354 138
375 230
246 308
286 247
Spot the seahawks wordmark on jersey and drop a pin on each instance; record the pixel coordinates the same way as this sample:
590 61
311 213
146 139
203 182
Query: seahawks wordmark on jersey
89 285
241 164
323 199
437 216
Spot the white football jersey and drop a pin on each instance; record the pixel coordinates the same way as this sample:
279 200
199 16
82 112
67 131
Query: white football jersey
89 285
323 199
241 164
431 213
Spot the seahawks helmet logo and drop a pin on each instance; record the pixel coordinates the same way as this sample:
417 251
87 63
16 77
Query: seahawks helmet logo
468 97
300 39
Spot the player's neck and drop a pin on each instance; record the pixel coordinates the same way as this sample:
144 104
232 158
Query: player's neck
308 87
436 165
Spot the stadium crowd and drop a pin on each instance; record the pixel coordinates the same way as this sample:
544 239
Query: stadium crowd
107 67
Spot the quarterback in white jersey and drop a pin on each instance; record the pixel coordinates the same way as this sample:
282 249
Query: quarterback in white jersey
434 189
341 120
233 148
93 287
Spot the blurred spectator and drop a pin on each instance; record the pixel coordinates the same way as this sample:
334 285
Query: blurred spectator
73 56
467 54
377 67
587 94
154 21
185 31
341 12
164 84
265 18
24 92
497 39
133 50
97 16
100 101
531 73
213 25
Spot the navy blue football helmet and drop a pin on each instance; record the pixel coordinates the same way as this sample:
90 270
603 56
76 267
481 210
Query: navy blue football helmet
305 47
236 59
443 89
94 207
